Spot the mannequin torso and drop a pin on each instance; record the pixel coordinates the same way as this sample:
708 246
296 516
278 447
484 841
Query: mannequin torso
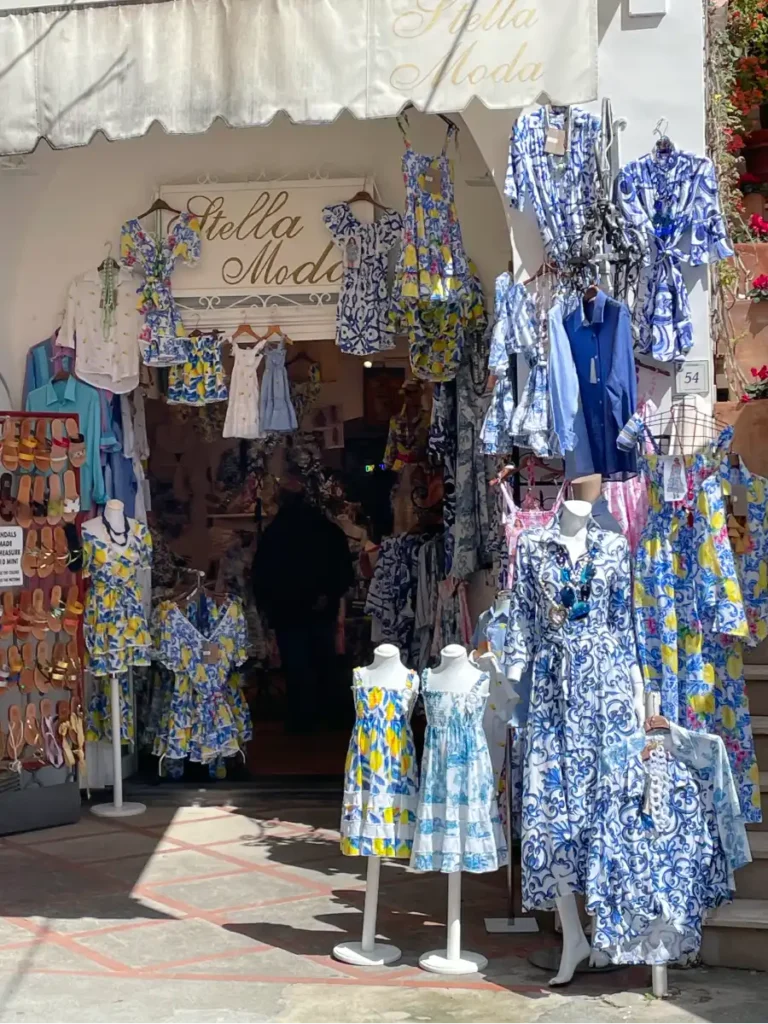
573 527
456 673
120 524
386 670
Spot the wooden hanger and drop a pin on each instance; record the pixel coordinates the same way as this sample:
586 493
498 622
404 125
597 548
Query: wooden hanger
247 330
276 329
159 204
590 293
365 197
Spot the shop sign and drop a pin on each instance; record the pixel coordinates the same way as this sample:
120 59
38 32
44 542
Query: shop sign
266 238
11 550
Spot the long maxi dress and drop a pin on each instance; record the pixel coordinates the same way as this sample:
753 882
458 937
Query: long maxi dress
581 698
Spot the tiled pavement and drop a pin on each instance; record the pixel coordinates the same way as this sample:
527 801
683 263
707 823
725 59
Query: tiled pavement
122 919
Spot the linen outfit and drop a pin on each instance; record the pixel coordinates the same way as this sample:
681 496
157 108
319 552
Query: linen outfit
200 380
653 876
673 200
516 332
381 774
432 296
243 411
687 598
600 337
276 408
107 355
163 338
363 325
559 189
74 396
581 700
205 716
457 822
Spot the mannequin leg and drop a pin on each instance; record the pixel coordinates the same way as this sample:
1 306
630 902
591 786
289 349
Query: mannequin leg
575 945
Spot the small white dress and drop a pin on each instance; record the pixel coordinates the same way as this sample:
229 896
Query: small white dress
243 418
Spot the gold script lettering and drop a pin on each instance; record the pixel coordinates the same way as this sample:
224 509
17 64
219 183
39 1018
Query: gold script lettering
407 77
266 269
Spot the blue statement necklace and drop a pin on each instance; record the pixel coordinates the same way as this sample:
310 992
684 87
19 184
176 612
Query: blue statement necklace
574 595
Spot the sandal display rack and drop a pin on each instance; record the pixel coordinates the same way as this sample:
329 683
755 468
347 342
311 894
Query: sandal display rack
42 730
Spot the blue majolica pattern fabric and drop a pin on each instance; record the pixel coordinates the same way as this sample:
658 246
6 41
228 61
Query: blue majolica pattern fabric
362 315
581 700
673 199
650 882
458 827
163 338
560 189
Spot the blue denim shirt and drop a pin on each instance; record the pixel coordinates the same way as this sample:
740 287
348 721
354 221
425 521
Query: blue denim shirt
567 413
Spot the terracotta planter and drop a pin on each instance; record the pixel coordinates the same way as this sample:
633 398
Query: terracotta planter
750 324
754 256
754 202
751 422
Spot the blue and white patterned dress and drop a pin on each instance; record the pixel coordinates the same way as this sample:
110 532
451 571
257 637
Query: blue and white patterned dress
458 827
673 199
363 324
276 412
515 332
651 879
581 700
560 189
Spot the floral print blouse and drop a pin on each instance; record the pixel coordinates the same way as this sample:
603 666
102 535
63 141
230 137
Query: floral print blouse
163 338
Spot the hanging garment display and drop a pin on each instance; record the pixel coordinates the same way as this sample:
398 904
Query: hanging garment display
363 324
507 704
667 839
553 165
600 338
276 410
687 596
672 197
457 822
391 600
205 716
163 338
527 516
107 349
432 295
243 410
43 359
573 625
199 380
381 775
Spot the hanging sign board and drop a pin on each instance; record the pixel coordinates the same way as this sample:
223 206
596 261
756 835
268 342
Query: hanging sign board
11 550
266 238
104 66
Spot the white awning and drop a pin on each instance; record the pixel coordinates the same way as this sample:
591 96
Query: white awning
70 70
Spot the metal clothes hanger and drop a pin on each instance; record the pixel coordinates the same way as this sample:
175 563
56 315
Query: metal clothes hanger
109 260
443 117
664 144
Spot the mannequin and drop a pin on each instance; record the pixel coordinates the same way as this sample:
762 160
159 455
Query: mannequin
118 523
456 673
574 519
386 672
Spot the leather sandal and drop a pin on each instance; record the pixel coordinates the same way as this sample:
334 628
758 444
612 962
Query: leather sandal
15 665
75 665
43 450
23 507
56 610
54 755
60 666
72 612
59 447
61 551
15 732
10 456
31 552
32 735
77 453
27 680
7 504
39 504
63 730
24 623
55 500
27 447
43 668
71 498
39 615
46 560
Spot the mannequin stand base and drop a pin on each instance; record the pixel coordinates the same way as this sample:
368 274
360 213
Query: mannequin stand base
127 810
353 953
437 962
549 960
511 925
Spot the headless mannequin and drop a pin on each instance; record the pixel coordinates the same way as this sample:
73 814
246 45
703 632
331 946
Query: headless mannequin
386 669
114 513
574 519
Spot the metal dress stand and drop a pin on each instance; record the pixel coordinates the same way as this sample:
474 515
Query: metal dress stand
117 808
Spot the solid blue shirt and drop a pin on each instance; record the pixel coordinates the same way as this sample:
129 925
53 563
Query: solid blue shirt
600 338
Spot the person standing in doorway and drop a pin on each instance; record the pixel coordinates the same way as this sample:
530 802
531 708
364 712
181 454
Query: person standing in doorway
301 571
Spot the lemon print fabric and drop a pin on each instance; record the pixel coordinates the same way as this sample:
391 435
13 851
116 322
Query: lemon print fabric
381 776
205 716
458 827
201 379
692 606
163 338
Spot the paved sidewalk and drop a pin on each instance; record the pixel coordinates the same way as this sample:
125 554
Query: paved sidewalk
223 913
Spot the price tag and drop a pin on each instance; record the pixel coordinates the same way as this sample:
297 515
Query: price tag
675 485
740 500
353 254
11 550
554 141
211 654
433 178
692 378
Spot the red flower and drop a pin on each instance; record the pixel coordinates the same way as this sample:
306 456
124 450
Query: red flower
761 282
748 178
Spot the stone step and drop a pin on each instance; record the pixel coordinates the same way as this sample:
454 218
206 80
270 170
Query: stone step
729 938
756 677
752 879
763 826
760 734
